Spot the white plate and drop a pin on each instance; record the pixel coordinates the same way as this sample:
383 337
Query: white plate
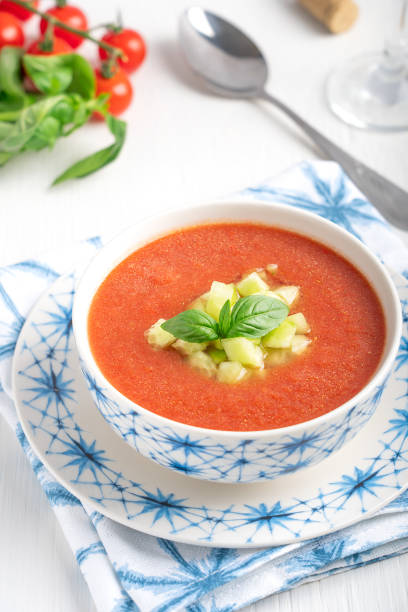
75 443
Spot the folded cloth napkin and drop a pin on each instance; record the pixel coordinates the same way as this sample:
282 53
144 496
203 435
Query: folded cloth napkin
129 571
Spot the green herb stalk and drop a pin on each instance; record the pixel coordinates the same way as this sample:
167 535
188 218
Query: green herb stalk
66 100
253 316
57 23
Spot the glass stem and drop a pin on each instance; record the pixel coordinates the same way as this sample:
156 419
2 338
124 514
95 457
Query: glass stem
396 47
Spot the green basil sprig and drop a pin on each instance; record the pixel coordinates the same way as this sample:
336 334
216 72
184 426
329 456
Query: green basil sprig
192 326
251 317
224 322
10 69
64 102
256 315
101 158
55 74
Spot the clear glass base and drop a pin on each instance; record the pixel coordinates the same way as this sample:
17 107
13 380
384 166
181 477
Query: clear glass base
371 91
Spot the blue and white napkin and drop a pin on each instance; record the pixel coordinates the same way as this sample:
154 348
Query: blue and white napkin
128 571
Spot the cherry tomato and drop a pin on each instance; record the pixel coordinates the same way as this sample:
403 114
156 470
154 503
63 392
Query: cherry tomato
59 46
128 41
119 88
11 32
71 16
18 11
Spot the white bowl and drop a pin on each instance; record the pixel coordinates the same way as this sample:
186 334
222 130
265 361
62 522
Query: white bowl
229 456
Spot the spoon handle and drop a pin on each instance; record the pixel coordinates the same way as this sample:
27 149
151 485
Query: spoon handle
390 199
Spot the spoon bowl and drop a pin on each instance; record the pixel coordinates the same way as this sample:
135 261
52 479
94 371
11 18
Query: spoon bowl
231 64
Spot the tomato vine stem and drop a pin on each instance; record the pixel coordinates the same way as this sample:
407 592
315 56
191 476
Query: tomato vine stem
114 51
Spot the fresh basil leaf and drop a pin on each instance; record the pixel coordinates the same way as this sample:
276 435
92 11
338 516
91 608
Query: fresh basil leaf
97 160
5 129
101 104
49 73
55 74
83 78
83 111
45 135
4 158
64 111
256 315
11 82
10 107
192 326
225 319
24 128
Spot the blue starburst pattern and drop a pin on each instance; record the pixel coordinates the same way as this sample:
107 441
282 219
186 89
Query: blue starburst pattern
52 411
402 357
213 458
192 579
10 328
331 199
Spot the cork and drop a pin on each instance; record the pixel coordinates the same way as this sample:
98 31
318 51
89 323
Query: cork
337 15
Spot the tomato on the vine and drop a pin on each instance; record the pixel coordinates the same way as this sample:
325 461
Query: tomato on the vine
119 88
11 32
18 11
128 41
71 16
57 46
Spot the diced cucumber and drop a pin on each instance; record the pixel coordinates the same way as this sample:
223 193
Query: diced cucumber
200 303
300 344
219 294
272 268
281 336
272 294
287 293
217 355
203 362
244 351
278 357
302 326
251 284
230 372
188 348
157 337
217 344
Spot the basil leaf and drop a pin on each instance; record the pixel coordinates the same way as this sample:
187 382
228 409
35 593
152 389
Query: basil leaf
64 111
83 77
55 74
256 315
45 135
192 326
10 107
5 129
225 319
84 110
101 158
24 128
4 158
11 83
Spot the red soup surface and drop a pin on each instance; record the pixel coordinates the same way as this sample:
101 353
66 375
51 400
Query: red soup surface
162 278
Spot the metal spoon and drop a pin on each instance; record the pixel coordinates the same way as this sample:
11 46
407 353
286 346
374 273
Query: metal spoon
232 65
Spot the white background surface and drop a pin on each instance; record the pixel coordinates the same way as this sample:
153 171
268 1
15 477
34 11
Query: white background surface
183 146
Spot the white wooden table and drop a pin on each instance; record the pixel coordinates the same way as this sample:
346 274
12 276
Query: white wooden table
183 146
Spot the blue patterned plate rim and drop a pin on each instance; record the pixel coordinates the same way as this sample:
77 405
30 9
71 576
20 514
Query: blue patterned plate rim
84 454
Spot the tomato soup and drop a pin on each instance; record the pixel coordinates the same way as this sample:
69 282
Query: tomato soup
162 278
